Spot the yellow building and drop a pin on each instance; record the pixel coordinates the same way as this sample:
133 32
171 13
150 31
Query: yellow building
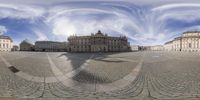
189 41
26 45
168 46
6 43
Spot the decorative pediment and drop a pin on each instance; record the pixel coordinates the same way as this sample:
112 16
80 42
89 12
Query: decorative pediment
99 33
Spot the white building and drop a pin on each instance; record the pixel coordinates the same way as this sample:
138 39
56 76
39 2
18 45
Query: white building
168 46
134 47
6 43
157 48
189 41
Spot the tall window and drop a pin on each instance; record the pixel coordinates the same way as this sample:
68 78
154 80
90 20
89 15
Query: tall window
190 45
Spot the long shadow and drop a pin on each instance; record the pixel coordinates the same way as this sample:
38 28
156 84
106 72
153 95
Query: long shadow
78 59
119 61
87 77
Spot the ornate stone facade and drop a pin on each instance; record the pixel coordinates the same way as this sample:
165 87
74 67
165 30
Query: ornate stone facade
6 43
189 41
98 42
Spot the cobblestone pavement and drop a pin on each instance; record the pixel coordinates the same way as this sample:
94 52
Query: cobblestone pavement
95 76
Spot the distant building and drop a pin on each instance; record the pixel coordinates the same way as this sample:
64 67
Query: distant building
168 46
189 41
26 45
50 46
15 48
144 48
157 48
98 42
5 43
134 47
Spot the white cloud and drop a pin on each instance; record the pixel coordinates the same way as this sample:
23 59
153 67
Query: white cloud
64 23
138 2
146 26
21 11
175 5
186 15
40 36
63 27
3 30
185 12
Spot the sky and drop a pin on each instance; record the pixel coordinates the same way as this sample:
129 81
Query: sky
144 22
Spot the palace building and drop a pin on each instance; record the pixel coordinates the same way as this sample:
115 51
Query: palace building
189 41
6 43
98 42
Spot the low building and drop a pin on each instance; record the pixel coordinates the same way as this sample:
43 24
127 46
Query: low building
6 43
26 45
168 46
98 42
15 48
134 47
157 48
50 46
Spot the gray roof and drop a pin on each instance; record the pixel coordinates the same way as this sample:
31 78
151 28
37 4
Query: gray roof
47 42
5 37
27 41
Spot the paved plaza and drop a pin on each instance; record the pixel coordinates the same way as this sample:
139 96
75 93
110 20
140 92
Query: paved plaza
144 75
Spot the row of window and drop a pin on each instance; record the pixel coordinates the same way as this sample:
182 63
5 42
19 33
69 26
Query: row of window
87 47
4 46
4 50
192 34
4 40
96 41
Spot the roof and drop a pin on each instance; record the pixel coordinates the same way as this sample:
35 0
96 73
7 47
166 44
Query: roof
46 41
177 38
27 41
99 33
5 37
169 42
191 32
39 42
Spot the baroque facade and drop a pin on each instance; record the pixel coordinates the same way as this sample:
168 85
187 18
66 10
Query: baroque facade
189 41
98 42
6 43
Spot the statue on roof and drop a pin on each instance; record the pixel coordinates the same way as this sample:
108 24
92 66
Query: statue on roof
99 33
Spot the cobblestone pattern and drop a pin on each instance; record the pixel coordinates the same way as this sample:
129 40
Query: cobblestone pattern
163 75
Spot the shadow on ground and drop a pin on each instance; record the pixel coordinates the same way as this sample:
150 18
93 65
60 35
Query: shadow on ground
78 59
